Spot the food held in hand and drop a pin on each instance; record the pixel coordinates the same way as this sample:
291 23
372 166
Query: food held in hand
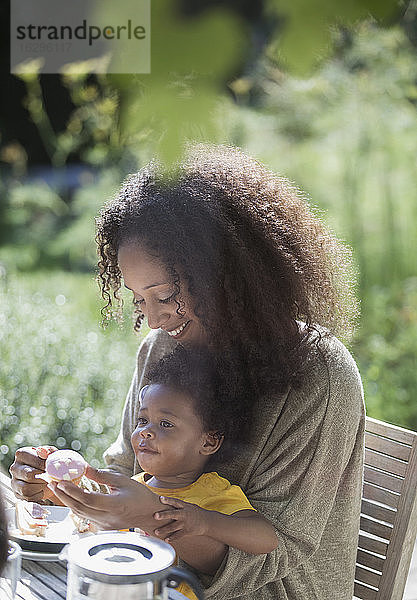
64 465
83 525
44 451
31 518
68 465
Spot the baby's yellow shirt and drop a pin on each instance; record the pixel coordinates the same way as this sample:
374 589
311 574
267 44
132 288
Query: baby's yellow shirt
210 492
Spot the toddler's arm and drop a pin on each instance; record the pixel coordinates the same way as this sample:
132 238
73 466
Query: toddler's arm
246 530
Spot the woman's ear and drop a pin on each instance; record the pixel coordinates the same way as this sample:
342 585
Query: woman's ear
211 442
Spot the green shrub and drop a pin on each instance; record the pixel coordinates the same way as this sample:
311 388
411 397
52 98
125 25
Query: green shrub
63 379
347 136
385 349
44 231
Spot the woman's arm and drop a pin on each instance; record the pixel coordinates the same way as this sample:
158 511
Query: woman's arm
131 504
307 482
246 530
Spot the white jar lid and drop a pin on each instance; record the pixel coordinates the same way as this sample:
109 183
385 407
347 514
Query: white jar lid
121 557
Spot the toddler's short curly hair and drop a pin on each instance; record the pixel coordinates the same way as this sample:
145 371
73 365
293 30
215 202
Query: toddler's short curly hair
197 373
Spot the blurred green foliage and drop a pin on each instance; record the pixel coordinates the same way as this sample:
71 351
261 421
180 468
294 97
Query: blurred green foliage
63 379
198 48
385 348
195 56
91 131
44 231
307 35
348 136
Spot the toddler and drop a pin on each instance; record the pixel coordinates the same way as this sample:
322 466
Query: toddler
181 424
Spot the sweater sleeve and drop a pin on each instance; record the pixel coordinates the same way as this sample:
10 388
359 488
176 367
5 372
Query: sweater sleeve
306 478
120 456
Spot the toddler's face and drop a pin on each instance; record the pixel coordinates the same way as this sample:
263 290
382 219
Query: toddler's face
169 440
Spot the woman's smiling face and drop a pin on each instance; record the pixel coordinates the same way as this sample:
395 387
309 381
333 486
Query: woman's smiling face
154 292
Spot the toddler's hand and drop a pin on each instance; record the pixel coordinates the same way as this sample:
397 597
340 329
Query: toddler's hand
187 519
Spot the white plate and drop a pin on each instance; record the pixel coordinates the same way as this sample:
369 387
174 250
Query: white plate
59 532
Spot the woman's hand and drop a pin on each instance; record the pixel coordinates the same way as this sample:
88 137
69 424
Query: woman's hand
28 462
186 519
129 504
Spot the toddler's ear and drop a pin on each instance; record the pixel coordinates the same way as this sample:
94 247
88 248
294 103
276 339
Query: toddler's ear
212 442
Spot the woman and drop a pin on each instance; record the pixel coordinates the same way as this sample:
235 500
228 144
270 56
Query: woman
225 254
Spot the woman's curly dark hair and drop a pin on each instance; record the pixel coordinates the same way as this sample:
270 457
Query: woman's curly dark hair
256 257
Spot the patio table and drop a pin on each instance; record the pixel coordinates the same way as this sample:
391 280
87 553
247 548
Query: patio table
44 580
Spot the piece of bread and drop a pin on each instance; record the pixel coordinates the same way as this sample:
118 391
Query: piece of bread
84 525
30 518
64 465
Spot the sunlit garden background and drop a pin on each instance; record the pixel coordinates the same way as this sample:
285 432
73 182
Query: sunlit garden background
344 129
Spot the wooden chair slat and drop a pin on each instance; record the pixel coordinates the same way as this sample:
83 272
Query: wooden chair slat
389 447
375 528
363 592
372 545
389 512
383 480
381 513
385 463
373 492
366 559
402 541
370 577
389 431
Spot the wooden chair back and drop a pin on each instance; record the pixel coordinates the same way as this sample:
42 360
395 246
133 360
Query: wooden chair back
388 524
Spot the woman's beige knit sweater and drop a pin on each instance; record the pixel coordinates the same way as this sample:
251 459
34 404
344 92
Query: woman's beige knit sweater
302 469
